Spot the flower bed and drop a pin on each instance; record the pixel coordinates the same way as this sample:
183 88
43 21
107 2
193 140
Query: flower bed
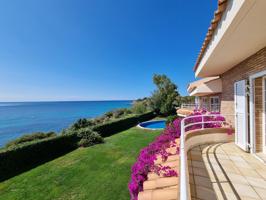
146 160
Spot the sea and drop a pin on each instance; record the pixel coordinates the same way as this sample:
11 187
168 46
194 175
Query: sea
19 118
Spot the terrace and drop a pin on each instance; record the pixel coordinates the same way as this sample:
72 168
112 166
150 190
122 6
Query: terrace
187 109
224 171
213 167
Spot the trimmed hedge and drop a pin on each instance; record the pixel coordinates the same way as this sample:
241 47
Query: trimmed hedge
110 128
21 158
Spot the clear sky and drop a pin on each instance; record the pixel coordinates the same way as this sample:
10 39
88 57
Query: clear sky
97 49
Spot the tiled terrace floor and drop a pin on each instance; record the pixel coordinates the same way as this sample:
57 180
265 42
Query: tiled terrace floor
224 171
262 156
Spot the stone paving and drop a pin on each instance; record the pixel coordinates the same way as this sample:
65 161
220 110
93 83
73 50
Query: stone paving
224 171
162 188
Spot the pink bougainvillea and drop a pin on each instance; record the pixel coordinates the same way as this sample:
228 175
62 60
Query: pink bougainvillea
148 155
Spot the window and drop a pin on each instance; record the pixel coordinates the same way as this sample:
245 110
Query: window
215 104
205 103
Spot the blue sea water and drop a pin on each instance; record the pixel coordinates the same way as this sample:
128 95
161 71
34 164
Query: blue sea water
18 118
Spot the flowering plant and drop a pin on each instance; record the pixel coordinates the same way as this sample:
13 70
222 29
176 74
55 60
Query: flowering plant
146 160
148 155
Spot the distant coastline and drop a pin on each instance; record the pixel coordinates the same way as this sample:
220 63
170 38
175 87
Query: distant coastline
18 118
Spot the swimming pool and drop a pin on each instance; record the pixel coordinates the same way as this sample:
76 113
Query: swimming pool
153 125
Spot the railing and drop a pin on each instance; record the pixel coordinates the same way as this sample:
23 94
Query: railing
209 107
190 106
184 179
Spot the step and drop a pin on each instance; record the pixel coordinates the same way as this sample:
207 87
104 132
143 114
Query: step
160 194
172 164
172 150
152 175
160 183
170 158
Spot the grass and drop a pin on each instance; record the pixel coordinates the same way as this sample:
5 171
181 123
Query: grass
100 172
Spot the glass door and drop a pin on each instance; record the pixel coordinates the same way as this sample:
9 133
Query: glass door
215 104
205 103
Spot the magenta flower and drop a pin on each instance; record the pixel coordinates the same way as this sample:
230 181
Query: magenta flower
146 160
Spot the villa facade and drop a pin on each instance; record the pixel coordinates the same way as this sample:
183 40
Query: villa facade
235 51
207 93
225 162
231 67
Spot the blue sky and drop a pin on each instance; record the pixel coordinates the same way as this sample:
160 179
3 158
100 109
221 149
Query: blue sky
97 49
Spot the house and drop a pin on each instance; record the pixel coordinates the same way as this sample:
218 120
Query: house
235 50
231 67
221 162
207 92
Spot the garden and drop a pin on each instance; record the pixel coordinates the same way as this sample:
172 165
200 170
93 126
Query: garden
92 158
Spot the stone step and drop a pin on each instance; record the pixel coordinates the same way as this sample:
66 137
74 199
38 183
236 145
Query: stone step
160 194
160 183
172 164
172 150
169 159
152 175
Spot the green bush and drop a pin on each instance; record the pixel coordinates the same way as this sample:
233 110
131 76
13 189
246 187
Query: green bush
140 107
170 119
82 123
22 157
108 116
89 137
112 127
30 137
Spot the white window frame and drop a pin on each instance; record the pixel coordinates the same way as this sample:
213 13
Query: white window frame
217 105
205 105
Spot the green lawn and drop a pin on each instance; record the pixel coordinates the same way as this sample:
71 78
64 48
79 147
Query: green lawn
95 173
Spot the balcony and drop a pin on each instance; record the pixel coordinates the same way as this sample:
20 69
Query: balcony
213 167
187 109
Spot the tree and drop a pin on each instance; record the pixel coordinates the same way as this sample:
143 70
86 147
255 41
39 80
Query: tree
164 97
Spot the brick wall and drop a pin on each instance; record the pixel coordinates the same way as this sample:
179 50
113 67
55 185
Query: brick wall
258 112
241 71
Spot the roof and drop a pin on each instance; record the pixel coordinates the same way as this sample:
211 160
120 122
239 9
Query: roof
214 23
195 84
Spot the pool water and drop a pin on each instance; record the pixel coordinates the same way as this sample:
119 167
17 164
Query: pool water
160 124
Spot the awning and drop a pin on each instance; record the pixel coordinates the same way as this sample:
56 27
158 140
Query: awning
211 87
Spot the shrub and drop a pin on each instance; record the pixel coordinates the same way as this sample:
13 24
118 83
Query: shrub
23 157
170 119
82 123
89 137
30 137
121 112
140 107
112 127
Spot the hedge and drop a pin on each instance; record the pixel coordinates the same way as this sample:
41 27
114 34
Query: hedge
110 128
21 158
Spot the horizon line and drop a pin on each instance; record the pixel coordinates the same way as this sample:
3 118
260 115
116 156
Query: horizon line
38 101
